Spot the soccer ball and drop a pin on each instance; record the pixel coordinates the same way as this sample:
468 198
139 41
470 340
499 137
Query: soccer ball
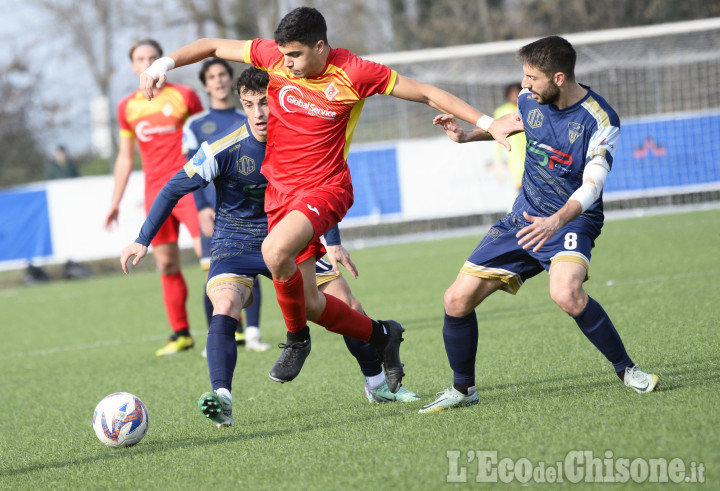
120 420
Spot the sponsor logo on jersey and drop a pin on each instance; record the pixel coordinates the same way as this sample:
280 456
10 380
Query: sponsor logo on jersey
535 118
574 131
145 132
199 158
291 100
547 155
331 91
245 165
313 208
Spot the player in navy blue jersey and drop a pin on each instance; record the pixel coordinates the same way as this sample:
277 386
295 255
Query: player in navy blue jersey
233 163
572 134
216 76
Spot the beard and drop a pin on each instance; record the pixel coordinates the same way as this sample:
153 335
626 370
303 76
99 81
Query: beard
550 95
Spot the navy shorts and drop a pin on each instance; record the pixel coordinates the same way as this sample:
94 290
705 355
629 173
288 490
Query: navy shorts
499 257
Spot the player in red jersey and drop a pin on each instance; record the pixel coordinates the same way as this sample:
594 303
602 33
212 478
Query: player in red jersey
157 128
315 95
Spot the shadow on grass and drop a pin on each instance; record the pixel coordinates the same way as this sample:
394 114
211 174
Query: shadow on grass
155 446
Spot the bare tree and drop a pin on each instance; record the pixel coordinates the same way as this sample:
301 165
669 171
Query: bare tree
21 156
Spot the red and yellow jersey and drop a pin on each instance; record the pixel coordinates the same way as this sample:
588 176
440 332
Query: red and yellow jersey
158 127
312 119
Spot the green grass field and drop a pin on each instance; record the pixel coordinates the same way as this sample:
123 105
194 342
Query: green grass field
544 390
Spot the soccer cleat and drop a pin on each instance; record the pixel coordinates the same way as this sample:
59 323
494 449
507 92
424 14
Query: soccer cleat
256 344
203 353
640 381
383 394
175 345
291 361
239 338
217 408
253 342
390 355
450 398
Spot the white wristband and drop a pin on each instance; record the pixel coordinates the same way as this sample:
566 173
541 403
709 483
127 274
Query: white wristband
484 122
160 67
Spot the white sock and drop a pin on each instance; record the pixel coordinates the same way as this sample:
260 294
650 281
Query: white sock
224 392
252 332
376 380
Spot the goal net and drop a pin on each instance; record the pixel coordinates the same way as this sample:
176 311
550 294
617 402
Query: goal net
662 80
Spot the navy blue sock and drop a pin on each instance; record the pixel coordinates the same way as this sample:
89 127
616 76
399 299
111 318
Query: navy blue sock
365 355
221 351
252 313
208 309
461 339
594 322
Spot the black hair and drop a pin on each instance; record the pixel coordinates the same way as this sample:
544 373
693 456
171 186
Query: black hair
252 80
305 25
146 42
214 61
550 55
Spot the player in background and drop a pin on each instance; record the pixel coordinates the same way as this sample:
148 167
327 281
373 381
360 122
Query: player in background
316 93
157 128
572 135
514 159
216 76
233 163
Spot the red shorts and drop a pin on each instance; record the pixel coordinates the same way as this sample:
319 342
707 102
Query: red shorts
325 206
185 212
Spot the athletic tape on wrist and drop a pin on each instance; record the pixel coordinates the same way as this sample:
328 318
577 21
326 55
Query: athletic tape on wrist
160 67
484 122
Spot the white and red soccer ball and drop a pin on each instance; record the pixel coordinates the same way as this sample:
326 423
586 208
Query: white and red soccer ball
120 420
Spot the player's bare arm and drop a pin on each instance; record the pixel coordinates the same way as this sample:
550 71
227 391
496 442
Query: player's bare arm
509 124
412 90
123 168
338 254
154 78
135 249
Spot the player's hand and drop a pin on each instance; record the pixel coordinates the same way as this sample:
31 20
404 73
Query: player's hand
503 127
206 216
338 254
451 127
540 230
111 219
150 86
134 249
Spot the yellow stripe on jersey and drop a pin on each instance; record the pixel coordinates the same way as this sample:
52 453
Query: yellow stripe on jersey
597 112
512 281
189 168
391 82
228 140
350 128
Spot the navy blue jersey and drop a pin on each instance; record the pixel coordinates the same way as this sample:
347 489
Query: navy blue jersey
206 126
233 163
560 142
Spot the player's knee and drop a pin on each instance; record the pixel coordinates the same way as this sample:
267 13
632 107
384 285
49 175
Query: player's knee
456 302
274 254
167 267
571 301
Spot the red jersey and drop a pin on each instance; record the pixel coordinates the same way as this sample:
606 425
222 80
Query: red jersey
312 119
157 125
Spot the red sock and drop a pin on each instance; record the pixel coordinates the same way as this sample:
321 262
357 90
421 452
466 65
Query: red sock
291 297
340 318
175 294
